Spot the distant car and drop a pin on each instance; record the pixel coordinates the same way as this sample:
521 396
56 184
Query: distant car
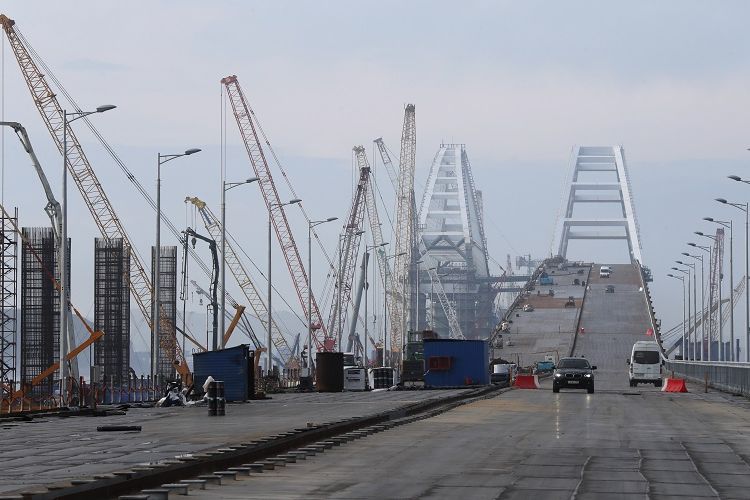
573 373
610 289
528 308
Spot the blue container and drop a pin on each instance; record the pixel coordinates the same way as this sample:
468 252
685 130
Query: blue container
455 363
234 366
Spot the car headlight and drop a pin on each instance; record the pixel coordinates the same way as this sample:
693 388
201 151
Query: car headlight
558 375
587 375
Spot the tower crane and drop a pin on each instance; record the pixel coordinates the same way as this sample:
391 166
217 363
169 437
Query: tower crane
258 305
245 118
349 250
97 201
405 229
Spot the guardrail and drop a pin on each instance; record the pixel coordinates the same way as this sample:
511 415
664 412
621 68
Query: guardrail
728 377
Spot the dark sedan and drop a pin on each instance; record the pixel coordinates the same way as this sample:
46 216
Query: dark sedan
573 373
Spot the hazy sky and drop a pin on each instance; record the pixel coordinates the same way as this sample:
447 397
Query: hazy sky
519 82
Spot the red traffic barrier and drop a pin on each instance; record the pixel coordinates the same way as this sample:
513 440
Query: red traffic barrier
527 381
674 385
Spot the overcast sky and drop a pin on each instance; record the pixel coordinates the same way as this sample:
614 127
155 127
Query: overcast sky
519 83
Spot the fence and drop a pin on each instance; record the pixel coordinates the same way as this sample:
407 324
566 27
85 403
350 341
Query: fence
729 377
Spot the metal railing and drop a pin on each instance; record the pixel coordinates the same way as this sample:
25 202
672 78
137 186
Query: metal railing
728 377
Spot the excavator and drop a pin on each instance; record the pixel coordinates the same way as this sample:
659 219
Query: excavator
54 213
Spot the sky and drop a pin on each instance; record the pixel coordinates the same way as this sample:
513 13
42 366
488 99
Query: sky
520 83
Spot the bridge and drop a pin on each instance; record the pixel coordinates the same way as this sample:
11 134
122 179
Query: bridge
486 442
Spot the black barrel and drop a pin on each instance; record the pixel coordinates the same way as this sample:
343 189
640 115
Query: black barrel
329 372
382 378
212 401
221 400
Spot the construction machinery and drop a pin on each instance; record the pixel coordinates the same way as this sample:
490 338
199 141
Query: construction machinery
189 232
246 119
233 262
454 328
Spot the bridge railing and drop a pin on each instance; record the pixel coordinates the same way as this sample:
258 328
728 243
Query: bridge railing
728 377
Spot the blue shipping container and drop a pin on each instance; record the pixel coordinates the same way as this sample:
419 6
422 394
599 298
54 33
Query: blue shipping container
454 363
234 366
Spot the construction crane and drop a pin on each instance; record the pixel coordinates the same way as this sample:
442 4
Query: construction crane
254 298
245 120
358 302
91 189
214 282
454 328
405 229
352 238
714 294
386 157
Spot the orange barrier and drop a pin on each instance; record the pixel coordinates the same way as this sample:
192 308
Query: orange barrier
674 385
527 382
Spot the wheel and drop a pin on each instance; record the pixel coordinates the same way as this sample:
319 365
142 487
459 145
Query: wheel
590 390
555 388
657 383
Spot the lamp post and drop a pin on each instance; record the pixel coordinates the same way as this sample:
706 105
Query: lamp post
367 286
687 272
226 186
711 299
269 340
156 314
694 314
310 225
744 208
703 288
728 224
63 250
683 310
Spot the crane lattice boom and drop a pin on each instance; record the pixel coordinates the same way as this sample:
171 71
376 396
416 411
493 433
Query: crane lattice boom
245 117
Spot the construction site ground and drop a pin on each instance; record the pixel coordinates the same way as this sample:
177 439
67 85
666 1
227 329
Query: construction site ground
51 450
548 329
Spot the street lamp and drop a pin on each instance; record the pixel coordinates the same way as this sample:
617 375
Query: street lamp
728 224
683 309
156 314
744 208
269 341
709 310
63 250
367 286
704 335
310 225
687 272
694 314
226 186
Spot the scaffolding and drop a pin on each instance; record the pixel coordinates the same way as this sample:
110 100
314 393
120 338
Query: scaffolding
40 307
112 308
168 301
8 303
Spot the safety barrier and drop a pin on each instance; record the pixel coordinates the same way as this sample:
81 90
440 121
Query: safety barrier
527 381
728 377
674 385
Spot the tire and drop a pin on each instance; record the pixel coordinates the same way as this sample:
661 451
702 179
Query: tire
658 383
555 388
590 390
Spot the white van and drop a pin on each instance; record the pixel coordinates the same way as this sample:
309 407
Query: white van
605 271
645 364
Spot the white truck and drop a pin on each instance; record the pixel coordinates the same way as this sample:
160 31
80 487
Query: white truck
645 364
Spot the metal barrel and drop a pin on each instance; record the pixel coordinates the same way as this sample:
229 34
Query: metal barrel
382 378
221 400
329 372
212 401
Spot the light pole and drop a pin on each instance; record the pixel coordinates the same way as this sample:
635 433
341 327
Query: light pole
367 286
687 336
63 249
694 312
310 225
156 313
683 310
269 340
744 208
711 299
704 335
416 306
226 186
728 224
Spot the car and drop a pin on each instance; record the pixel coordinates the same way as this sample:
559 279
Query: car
610 289
573 373
528 308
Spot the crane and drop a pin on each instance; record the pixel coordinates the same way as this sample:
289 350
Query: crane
454 328
97 201
245 121
352 238
214 281
405 228
254 298
714 294
386 157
